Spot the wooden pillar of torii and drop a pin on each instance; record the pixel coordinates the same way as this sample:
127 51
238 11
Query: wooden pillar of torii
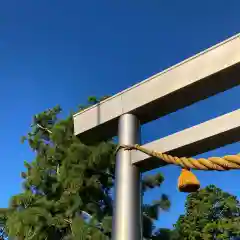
199 77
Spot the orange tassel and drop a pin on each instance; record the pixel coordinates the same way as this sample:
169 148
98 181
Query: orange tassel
188 182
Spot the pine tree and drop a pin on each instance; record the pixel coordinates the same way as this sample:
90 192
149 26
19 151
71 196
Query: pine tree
68 186
3 219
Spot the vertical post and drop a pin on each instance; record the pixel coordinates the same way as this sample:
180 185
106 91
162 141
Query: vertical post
127 221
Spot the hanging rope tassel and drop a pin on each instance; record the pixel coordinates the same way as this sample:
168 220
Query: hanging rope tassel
188 182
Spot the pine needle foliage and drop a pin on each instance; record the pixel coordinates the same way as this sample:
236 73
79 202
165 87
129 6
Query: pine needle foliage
67 188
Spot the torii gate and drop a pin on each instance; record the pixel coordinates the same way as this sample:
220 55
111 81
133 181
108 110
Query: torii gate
199 77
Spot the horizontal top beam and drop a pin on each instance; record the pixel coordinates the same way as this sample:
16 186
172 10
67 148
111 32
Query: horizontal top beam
208 73
192 141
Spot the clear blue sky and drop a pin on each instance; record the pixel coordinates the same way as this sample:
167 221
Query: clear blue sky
60 52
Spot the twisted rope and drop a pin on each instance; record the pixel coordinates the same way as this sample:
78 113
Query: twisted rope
212 163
